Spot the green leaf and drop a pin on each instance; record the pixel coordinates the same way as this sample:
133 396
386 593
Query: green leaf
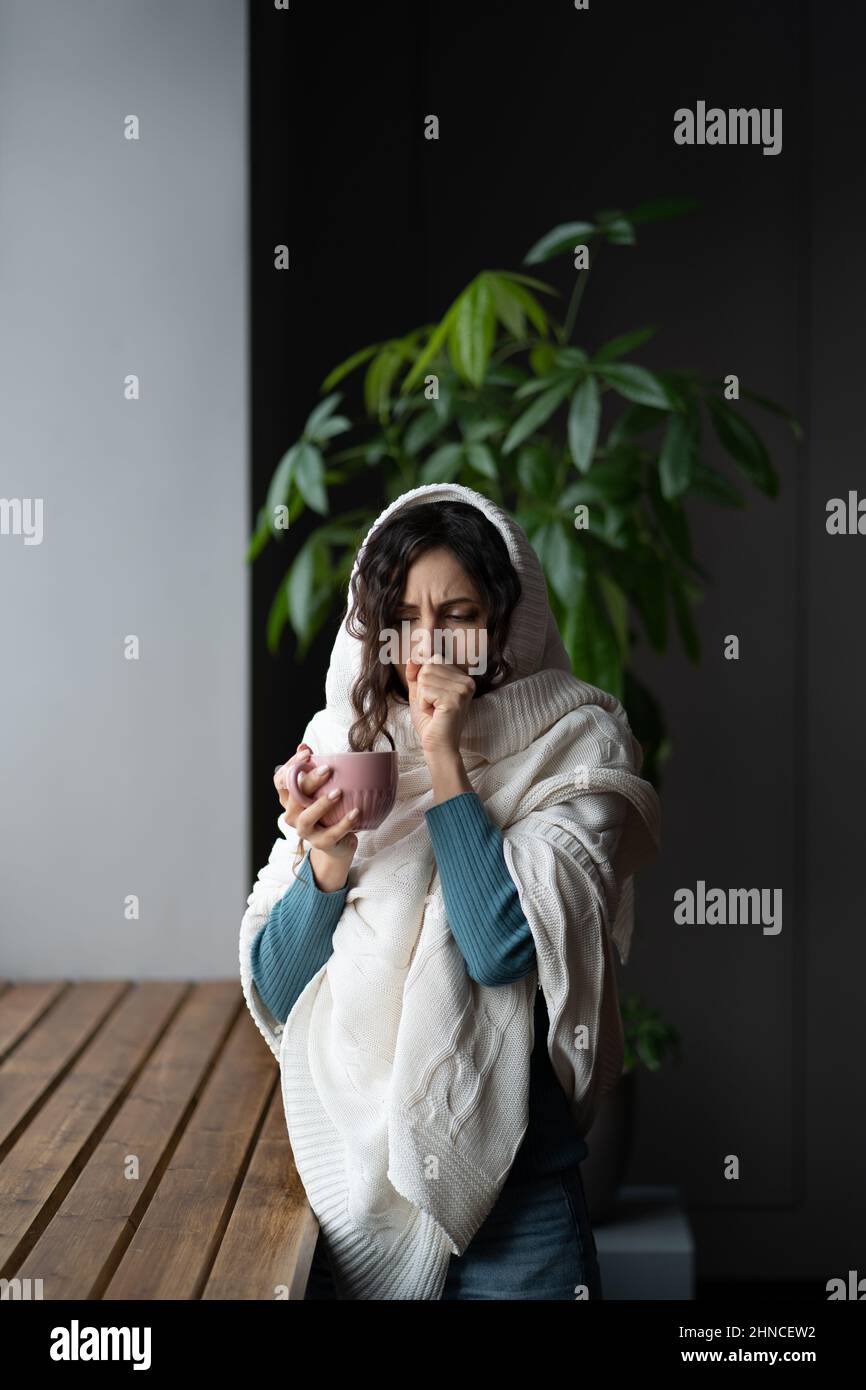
482 460
532 517
444 465
443 403
527 280
379 380
434 345
509 311
649 591
591 642
528 304
310 477
506 374
560 558
616 602
338 424
619 527
744 445
765 404
476 431
473 331
299 589
535 384
673 525
619 474
570 357
542 357
277 618
260 536
560 239
423 429
715 487
349 365
678 455
536 472
679 393
309 589
637 419
627 342
320 413
540 410
636 384
584 417
567 376
619 231
278 490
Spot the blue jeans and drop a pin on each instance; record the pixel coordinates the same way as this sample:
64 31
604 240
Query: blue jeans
537 1243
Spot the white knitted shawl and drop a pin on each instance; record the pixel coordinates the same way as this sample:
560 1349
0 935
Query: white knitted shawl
404 1082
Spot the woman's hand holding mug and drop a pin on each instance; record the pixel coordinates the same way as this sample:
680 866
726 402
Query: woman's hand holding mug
333 847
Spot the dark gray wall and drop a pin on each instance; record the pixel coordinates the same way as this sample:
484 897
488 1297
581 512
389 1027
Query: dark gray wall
546 115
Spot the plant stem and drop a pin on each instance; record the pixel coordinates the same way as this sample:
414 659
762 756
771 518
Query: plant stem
574 304
508 348
576 297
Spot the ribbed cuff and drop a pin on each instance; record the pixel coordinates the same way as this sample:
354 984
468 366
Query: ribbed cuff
463 804
306 875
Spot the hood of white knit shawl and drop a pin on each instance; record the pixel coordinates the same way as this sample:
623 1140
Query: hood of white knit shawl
533 644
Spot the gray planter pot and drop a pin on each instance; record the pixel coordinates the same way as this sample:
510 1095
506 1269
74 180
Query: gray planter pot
610 1142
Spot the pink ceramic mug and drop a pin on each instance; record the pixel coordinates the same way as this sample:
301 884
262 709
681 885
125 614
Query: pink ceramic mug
367 780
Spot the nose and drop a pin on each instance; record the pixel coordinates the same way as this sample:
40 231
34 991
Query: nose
422 639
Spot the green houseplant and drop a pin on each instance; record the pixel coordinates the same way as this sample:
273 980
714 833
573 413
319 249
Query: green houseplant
594 453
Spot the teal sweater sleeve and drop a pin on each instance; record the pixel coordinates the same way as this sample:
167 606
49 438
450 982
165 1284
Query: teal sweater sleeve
295 941
481 897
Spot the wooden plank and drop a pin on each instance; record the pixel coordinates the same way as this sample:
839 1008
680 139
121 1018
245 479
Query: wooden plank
171 1253
39 1170
268 1246
21 1006
29 1073
86 1239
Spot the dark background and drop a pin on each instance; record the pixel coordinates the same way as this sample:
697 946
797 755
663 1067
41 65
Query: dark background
547 114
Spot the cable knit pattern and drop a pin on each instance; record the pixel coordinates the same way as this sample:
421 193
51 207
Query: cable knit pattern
405 1083
484 915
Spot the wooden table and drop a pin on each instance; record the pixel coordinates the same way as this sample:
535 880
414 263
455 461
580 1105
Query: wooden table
143 1146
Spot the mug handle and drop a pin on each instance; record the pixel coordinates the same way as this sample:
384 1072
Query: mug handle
293 783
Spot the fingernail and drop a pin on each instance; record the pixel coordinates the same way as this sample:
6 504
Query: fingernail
354 811
332 796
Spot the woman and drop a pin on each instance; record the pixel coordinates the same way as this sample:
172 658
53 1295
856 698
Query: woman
440 991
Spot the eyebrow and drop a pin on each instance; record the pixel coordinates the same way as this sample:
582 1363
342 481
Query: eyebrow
444 604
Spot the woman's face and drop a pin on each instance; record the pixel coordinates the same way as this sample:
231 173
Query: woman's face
440 596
